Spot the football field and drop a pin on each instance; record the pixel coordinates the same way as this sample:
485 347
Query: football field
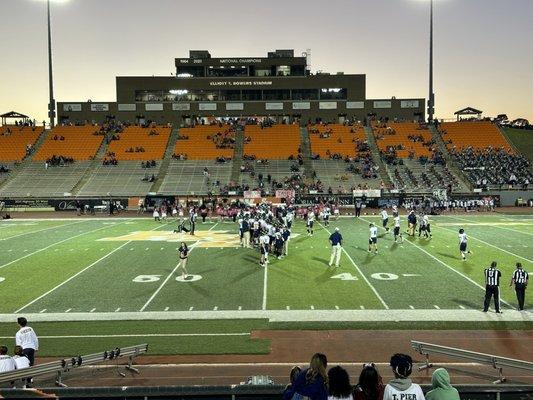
125 270
129 265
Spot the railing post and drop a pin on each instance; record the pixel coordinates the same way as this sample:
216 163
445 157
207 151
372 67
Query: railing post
59 381
501 378
427 364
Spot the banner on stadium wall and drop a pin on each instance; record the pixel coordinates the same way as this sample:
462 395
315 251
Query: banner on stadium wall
383 104
327 105
355 104
153 106
252 194
273 106
99 107
70 205
235 106
127 107
409 104
207 106
369 193
301 105
71 107
285 194
181 106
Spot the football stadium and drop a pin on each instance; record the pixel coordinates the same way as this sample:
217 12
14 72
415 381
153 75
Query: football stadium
251 226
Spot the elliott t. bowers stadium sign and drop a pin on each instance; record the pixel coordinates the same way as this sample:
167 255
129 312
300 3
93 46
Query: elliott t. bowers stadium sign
240 83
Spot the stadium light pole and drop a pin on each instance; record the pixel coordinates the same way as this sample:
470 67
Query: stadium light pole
431 100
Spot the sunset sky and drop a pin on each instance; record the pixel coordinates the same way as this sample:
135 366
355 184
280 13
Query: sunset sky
483 48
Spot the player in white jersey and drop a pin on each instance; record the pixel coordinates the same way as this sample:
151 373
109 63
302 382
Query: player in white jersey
310 222
425 218
264 246
463 239
326 213
373 239
385 219
397 231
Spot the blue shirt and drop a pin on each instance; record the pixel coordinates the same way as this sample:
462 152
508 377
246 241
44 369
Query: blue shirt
335 238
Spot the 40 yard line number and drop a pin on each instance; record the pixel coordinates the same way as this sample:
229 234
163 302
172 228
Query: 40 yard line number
155 278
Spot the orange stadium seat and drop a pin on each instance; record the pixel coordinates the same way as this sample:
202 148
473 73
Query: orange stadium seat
277 142
199 145
154 145
401 137
14 139
79 143
476 134
341 141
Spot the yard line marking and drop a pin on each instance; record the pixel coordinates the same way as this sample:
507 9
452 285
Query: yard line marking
240 308
362 307
265 287
117 310
491 245
447 266
42 311
336 307
436 306
71 278
191 308
52 245
215 308
288 308
312 307
411 307
93 310
138 335
462 307
491 226
42 230
68 310
152 297
167 308
361 272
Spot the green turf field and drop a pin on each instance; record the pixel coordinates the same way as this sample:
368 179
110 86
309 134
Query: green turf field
125 269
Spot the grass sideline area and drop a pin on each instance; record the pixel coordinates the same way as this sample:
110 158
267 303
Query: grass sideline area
91 267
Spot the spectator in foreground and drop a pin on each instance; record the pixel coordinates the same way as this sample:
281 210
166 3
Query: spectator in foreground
401 386
370 385
7 363
311 382
441 389
339 384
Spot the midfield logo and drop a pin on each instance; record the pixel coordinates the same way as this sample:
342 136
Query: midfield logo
204 238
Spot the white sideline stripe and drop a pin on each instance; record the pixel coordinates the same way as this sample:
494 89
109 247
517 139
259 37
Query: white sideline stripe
55 244
491 226
449 267
265 287
41 230
136 335
152 297
381 315
75 275
491 245
71 278
360 272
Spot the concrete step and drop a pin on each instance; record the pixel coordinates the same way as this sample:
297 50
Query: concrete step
383 171
237 155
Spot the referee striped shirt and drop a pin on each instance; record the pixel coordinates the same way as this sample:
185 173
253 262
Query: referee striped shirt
492 276
520 276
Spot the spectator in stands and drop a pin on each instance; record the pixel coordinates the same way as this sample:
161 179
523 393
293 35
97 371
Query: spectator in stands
20 359
370 385
401 386
295 371
441 389
311 382
339 386
7 363
27 339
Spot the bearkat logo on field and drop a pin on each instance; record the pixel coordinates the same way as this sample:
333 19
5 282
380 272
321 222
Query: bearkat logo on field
204 238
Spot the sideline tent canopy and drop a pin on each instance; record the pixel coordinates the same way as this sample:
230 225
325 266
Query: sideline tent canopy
468 111
14 115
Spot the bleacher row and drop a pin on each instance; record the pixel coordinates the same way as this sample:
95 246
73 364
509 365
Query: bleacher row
335 149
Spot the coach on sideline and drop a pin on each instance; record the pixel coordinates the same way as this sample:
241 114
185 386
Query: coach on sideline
336 247
27 339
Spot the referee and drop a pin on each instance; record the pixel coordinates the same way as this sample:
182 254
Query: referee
520 279
492 287
335 240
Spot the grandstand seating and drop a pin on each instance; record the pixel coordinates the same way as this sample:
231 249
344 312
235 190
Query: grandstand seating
34 181
153 140
200 145
341 140
335 174
127 178
476 134
186 177
402 131
14 140
279 170
79 142
277 142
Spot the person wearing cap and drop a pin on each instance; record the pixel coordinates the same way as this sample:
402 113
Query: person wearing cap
335 239
401 387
